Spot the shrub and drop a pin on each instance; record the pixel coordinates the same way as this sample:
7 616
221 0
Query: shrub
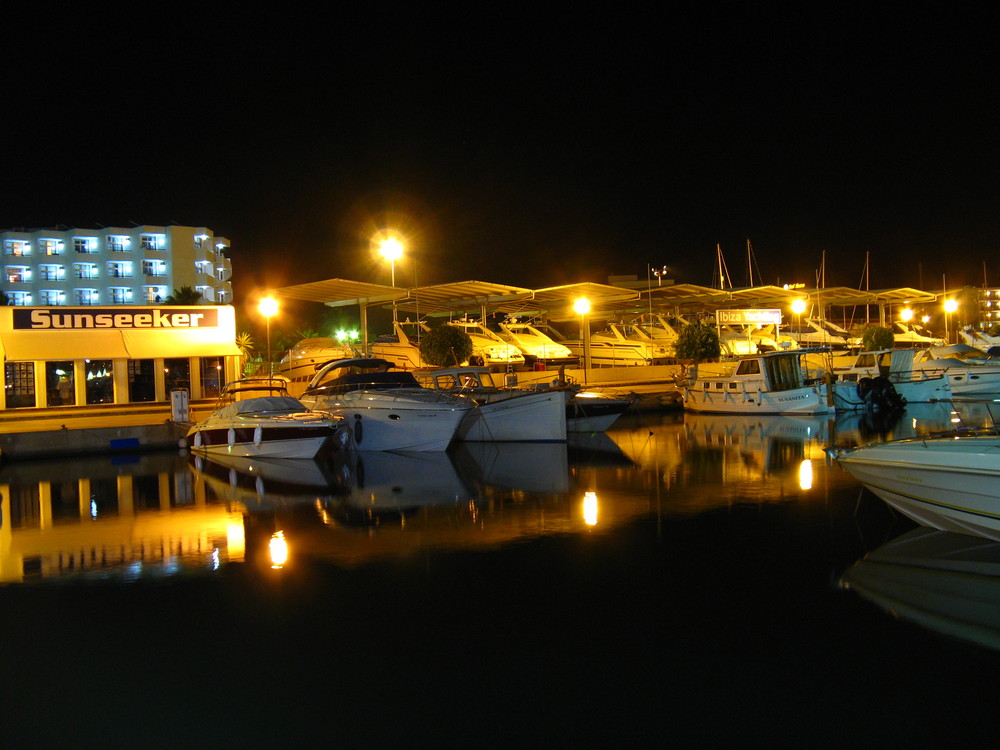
698 342
445 346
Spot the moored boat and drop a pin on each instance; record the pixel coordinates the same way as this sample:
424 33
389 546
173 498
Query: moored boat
387 409
946 482
299 363
256 417
770 383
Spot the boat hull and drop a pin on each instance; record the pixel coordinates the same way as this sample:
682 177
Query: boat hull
942 483
807 400
593 414
517 416
265 441
381 421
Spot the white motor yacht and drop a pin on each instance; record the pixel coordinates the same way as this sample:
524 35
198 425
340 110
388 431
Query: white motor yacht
771 383
402 346
536 346
502 414
387 409
913 334
969 371
947 482
256 417
488 349
864 382
621 345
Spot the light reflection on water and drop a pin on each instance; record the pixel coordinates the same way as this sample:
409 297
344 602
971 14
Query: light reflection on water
160 515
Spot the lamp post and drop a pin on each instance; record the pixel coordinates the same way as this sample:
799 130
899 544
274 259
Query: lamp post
798 307
391 250
582 308
950 305
268 307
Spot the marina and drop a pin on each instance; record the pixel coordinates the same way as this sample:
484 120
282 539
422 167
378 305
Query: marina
684 558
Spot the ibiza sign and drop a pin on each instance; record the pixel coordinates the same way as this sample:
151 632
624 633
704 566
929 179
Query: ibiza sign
752 317
158 318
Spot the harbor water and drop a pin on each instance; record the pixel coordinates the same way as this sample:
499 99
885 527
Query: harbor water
678 580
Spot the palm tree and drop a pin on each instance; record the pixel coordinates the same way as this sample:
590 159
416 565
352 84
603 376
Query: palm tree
185 296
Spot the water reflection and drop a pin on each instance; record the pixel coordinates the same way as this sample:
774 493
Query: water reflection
165 514
949 583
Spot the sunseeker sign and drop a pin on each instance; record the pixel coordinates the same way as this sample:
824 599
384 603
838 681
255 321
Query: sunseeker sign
40 318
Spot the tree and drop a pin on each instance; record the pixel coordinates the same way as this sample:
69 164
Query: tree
698 342
877 337
445 346
185 296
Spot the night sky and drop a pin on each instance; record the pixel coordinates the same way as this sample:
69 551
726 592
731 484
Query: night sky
522 146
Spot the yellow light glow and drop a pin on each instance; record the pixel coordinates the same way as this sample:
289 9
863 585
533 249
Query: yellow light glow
926 319
278 548
590 508
798 306
950 305
582 306
806 475
391 249
268 307
906 314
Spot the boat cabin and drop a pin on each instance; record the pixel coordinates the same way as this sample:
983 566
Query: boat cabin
359 374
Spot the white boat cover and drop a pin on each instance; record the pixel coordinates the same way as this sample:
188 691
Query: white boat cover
260 404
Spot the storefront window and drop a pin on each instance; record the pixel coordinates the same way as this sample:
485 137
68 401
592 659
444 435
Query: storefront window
60 383
100 381
19 383
141 380
177 373
211 376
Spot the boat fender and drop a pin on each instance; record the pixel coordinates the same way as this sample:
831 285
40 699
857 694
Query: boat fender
197 439
258 435
233 478
231 436
358 430
259 485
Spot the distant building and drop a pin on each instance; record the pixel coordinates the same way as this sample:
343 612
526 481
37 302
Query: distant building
113 266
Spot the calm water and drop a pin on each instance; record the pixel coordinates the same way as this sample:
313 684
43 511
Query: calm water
676 581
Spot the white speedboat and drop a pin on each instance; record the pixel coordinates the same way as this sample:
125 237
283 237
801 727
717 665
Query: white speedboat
913 334
536 346
969 371
402 346
301 361
621 345
387 409
502 414
771 383
488 349
256 417
815 332
878 378
947 482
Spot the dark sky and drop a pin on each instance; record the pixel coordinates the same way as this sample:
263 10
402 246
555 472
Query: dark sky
522 146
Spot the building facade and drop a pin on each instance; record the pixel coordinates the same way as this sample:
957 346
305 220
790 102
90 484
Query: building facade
113 266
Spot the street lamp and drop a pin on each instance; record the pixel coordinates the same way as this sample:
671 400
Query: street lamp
582 307
268 307
950 305
392 250
798 307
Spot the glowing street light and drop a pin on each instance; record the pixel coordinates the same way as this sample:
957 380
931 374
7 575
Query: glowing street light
950 306
268 307
906 315
798 307
391 250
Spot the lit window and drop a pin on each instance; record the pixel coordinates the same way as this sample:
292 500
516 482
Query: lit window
19 299
153 295
153 241
17 248
17 274
120 269
119 295
85 270
85 244
51 297
86 296
119 243
50 247
154 268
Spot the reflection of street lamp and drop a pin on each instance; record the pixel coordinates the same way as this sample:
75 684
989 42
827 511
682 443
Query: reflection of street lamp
268 307
582 307
950 305
798 307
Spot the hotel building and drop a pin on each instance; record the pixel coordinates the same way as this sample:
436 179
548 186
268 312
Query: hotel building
87 323
113 266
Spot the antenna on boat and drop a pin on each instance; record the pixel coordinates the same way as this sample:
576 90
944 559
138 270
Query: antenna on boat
723 271
751 262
